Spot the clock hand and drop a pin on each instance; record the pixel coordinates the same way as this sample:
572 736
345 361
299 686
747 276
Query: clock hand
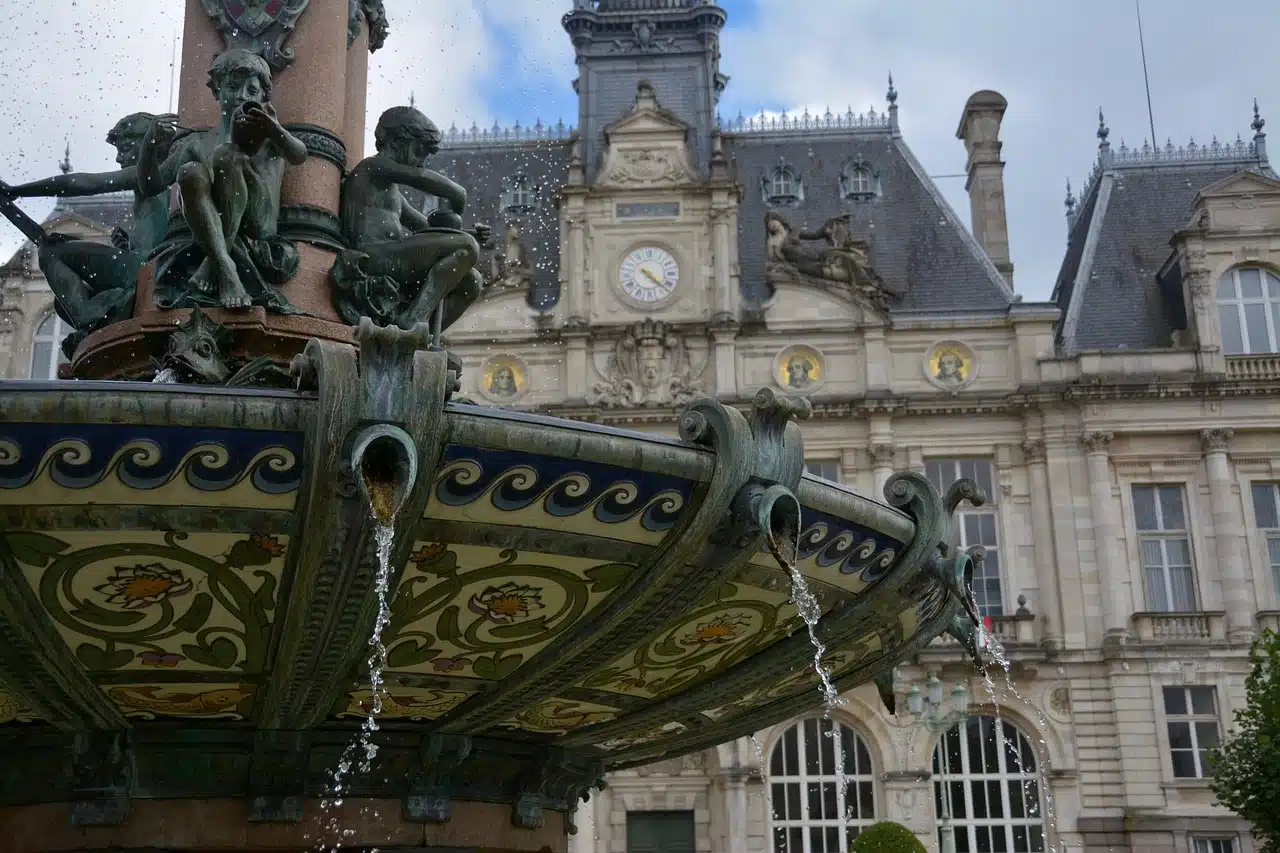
649 275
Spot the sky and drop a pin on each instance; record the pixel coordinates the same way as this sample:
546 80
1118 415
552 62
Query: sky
70 68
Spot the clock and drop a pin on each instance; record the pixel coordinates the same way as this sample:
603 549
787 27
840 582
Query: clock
649 274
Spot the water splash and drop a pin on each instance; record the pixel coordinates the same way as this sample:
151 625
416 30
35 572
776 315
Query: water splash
359 753
758 748
995 651
165 376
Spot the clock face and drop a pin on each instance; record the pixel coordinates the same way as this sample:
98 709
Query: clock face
649 274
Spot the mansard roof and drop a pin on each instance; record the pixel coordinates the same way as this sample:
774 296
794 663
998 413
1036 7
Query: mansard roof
483 168
916 240
1119 236
102 212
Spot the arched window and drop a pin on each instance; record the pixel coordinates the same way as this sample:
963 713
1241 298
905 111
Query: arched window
783 186
857 181
985 777
1249 308
46 349
519 195
806 791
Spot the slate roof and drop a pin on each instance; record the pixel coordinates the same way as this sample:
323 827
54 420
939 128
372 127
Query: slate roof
1119 240
482 170
917 240
107 211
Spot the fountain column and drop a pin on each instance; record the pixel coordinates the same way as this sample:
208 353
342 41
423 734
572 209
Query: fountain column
1228 535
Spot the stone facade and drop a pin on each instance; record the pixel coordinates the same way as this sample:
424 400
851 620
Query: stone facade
1128 453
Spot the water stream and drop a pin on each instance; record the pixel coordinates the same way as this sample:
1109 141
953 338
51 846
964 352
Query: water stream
360 751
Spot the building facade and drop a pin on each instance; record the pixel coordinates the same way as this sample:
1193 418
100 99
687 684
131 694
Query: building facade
1127 432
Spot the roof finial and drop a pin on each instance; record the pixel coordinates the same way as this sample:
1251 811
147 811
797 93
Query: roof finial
1258 122
892 96
1070 201
1103 130
413 102
65 165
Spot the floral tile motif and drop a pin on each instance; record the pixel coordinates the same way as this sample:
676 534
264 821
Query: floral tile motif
476 612
13 710
561 716
404 703
640 738
735 622
196 701
155 600
486 485
121 464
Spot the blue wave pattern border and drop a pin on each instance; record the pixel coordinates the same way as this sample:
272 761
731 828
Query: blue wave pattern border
566 487
851 548
80 456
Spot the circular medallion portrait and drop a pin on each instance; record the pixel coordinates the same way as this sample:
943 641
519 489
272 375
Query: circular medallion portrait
799 369
950 365
504 378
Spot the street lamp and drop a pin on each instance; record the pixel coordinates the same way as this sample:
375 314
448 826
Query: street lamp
927 708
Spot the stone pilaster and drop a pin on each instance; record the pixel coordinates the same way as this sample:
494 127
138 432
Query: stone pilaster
1116 604
1228 535
1046 566
882 453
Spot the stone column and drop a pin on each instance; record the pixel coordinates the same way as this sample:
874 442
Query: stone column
1116 605
724 342
722 310
849 468
1042 534
1228 535
877 359
881 465
576 358
575 308
585 819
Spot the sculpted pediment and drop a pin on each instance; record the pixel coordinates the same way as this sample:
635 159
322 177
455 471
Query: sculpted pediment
831 259
798 305
647 148
1244 201
1240 184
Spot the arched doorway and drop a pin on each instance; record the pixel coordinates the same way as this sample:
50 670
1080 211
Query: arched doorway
807 796
986 776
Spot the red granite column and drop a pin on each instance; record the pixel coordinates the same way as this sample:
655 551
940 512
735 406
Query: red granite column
357 95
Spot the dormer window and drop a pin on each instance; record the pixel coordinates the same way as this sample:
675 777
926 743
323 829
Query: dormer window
783 186
1249 309
519 195
858 182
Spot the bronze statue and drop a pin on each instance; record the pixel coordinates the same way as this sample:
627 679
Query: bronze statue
93 283
843 260
403 264
230 182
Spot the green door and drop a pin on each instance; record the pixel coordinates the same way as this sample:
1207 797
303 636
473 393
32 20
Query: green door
660 832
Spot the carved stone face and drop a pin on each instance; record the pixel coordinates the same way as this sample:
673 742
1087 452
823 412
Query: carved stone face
651 365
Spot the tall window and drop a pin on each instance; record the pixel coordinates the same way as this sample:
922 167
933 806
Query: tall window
1266 512
782 186
1160 516
1249 307
1191 715
807 794
46 351
827 469
985 777
1213 845
977 525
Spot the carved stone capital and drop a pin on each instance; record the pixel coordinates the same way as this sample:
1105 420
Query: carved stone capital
881 454
1215 440
1034 451
1097 443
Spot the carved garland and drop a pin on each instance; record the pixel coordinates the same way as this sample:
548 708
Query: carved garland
322 143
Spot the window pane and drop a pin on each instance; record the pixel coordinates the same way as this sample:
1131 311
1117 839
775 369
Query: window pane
1250 283
1203 700
1144 508
1264 505
1157 592
1206 735
1232 334
1171 515
1273 285
1175 701
1184 765
1180 735
937 472
1255 326
1183 588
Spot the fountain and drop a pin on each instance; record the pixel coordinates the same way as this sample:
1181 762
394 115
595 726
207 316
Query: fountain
195 568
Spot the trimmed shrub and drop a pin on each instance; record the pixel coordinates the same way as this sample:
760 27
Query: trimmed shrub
886 837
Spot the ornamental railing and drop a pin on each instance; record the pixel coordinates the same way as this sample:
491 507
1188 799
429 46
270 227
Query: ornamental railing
1179 627
806 122
498 135
1265 366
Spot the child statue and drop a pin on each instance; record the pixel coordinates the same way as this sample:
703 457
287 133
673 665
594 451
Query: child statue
229 179
94 283
402 263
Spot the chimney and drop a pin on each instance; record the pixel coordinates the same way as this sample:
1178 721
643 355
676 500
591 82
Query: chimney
980 131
